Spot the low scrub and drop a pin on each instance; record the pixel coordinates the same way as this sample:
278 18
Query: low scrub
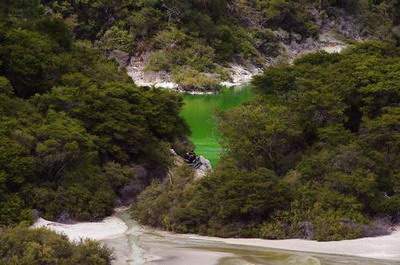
24 246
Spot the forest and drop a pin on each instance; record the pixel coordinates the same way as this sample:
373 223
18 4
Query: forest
74 130
73 126
195 40
314 156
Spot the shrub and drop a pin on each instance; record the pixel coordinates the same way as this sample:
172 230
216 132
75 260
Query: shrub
191 78
117 39
24 246
159 61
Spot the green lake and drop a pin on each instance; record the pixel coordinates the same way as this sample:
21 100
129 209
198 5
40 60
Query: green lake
199 113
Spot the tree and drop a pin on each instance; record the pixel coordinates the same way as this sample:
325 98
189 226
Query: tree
29 62
261 136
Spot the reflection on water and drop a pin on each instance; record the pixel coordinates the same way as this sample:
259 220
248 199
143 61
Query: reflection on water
150 247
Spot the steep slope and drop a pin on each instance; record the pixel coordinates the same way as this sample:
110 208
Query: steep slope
193 43
315 155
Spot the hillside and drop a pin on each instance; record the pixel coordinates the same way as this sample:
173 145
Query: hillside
197 44
314 156
77 136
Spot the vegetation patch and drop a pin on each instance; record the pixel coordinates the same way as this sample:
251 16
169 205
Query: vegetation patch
314 156
200 35
73 128
24 246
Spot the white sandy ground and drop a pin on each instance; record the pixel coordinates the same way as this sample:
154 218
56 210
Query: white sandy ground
107 229
383 247
112 231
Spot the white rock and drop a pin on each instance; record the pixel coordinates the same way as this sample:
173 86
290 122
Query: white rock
204 169
240 75
136 70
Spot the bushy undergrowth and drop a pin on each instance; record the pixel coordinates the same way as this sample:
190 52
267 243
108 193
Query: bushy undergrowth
24 246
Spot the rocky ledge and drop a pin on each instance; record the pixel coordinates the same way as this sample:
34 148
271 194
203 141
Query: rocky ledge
239 73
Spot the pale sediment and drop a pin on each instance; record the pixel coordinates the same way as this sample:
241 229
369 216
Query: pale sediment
108 228
381 247
157 247
239 74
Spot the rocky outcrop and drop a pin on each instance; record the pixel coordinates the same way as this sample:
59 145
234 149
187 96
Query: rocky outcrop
136 70
333 26
240 74
333 30
199 171
327 41
204 168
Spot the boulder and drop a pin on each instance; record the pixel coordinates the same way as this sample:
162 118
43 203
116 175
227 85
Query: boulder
297 37
204 169
35 215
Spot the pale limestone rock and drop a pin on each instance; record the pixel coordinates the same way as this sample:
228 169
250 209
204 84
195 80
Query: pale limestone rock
204 169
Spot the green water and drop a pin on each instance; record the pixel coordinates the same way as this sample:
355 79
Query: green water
199 113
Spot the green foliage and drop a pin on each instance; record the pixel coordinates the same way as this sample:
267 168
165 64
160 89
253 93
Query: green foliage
177 50
192 33
72 126
5 86
155 204
314 156
322 137
24 246
289 15
189 78
264 136
116 38
30 61
185 207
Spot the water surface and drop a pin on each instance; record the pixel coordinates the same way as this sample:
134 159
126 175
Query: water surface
199 113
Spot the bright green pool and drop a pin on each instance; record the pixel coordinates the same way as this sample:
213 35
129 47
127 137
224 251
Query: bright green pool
199 111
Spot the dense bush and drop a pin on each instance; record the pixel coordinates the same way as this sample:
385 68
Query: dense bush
160 204
72 126
203 34
315 156
23 246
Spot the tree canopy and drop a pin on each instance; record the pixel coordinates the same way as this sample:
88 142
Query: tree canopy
315 155
191 38
69 117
